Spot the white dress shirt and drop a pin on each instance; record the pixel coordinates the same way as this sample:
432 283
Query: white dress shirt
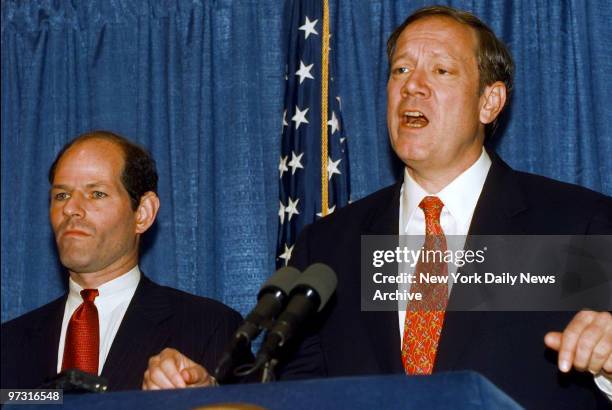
459 199
112 302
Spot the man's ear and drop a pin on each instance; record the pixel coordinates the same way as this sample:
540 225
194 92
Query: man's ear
146 211
492 102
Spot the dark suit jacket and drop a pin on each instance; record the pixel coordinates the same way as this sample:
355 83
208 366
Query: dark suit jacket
506 347
156 318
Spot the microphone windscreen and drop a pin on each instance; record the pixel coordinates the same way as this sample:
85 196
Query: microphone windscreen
321 278
283 279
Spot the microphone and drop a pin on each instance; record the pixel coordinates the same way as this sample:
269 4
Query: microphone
271 299
309 295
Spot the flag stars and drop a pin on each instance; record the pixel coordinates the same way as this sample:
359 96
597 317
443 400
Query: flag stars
333 123
299 117
291 208
329 211
332 167
304 71
285 123
295 162
287 254
308 28
282 166
281 213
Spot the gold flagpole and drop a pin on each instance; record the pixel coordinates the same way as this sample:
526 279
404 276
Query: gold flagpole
324 98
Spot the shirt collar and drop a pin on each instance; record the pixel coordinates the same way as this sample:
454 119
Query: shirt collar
459 197
126 282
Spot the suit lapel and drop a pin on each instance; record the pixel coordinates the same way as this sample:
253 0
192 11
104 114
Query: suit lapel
43 342
382 327
500 202
144 331
497 213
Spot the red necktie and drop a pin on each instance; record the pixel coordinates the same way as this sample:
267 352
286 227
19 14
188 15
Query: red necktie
424 319
82 345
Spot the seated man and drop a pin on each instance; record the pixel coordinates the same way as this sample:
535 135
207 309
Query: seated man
450 78
113 318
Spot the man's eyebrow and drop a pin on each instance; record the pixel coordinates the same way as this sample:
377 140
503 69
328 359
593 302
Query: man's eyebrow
396 57
88 186
437 54
445 56
96 184
59 186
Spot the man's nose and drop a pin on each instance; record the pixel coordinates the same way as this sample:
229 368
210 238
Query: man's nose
416 84
75 206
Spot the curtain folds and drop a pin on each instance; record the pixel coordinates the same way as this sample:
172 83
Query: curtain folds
201 84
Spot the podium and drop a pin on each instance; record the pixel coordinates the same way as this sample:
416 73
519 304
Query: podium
452 390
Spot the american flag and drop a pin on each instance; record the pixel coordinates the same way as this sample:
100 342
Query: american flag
302 149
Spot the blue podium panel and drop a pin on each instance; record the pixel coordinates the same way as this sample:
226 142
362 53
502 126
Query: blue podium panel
453 390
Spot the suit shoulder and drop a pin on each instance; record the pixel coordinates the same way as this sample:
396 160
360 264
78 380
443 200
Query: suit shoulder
541 186
564 194
34 316
200 305
573 208
361 210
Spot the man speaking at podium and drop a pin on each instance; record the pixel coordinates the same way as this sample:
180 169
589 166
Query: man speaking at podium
113 318
450 78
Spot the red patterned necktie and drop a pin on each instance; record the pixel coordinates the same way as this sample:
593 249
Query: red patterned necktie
82 345
424 318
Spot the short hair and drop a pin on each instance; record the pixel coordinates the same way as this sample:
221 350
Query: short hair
494 60
139 174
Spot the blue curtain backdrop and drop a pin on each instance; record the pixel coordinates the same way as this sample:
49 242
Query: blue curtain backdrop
201 84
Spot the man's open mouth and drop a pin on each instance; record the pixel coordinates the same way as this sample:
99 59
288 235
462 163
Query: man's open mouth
414 119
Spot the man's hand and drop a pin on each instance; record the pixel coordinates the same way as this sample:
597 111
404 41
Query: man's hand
585 344
170 369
